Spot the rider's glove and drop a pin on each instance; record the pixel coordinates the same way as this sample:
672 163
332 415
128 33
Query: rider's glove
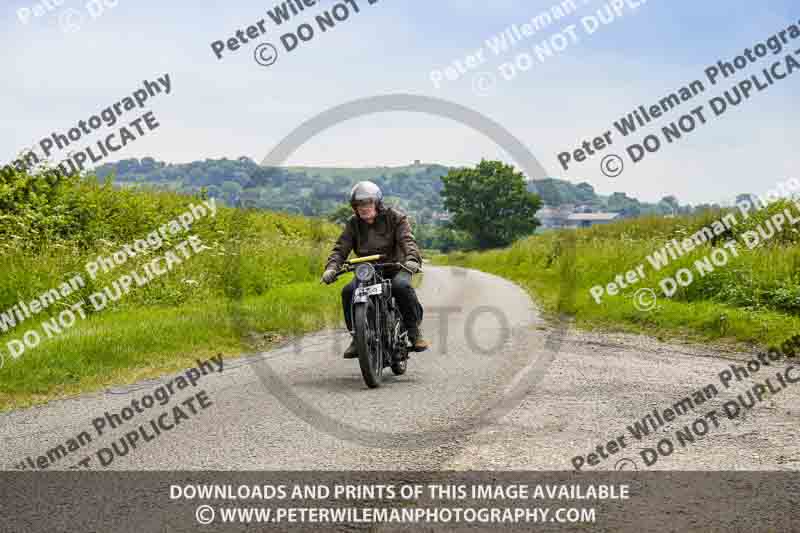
412 265
329 276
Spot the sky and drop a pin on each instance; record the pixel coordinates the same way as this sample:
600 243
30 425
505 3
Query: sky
76 59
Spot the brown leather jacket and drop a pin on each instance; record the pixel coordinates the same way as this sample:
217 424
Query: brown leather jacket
389 235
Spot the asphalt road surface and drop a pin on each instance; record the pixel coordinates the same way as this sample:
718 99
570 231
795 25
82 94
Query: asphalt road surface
500 388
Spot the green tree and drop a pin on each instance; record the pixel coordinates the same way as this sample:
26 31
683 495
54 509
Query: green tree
490 202
231 188
341 215
447 239
669 205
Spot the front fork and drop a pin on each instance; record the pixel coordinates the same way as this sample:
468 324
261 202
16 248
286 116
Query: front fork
384 309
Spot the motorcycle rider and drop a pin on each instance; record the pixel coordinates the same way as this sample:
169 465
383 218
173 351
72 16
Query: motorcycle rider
376 229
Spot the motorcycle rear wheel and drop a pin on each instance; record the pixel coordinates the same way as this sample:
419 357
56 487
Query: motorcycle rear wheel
400 367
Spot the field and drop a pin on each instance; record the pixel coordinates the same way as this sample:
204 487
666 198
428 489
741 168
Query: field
753 298
256 283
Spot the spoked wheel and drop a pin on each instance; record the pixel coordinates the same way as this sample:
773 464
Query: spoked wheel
399 368
400 361
370 354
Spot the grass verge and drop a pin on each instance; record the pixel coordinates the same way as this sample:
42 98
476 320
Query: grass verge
752 301
129 345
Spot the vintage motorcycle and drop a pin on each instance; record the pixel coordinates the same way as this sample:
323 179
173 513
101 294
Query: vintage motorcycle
380 334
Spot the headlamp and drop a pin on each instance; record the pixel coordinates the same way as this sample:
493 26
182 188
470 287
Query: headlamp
365 272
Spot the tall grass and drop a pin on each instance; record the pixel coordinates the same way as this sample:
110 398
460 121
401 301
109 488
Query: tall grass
755 298
259 278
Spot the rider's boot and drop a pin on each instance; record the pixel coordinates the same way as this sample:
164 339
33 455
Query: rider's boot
418 342
352 351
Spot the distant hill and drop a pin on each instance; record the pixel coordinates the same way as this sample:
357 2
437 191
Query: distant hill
555 192
319 191
305 190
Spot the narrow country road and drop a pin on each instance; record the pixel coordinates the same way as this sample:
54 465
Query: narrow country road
500 389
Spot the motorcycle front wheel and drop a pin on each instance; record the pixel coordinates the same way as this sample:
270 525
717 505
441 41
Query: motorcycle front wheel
400 358
370 355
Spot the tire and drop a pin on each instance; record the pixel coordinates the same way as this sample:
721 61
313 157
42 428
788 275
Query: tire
371 363
399 367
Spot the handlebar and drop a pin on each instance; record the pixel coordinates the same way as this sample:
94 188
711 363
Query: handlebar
349 267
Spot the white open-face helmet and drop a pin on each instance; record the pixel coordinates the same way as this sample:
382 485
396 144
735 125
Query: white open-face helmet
365 191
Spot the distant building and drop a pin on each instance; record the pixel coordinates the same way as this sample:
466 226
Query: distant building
586 220
417 162
572 216
554 217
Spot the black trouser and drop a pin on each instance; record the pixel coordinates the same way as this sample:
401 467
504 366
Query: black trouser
403 293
